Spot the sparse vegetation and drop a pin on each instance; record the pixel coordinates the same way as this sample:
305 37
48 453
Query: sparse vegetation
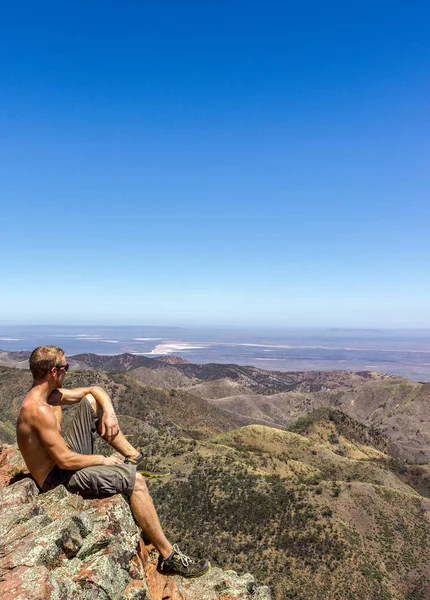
325 509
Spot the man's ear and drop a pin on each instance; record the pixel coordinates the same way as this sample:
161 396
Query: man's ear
53 372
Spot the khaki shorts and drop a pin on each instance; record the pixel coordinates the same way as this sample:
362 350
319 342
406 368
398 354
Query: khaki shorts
91 482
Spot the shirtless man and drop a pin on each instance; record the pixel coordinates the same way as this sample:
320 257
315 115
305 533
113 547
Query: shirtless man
55 460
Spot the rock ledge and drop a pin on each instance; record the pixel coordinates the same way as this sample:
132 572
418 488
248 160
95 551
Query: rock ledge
57 545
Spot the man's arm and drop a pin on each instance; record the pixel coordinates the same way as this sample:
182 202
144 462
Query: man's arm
63 396
56 447
109 426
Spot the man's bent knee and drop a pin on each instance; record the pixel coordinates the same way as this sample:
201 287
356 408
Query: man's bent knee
140 484
92 402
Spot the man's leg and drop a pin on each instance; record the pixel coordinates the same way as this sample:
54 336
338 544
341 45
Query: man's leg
99 481
171 560
147 518
123 446
145 464
120 443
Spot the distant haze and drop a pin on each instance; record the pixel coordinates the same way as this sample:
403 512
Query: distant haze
398 352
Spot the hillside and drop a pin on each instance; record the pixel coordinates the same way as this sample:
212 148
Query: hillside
316 516
308 490
248 394
163 377
397 407
97 362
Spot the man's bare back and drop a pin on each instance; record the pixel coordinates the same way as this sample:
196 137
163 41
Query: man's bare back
36 457
39 425
39 430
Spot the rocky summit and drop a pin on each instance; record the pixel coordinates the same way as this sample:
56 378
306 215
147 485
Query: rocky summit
57 545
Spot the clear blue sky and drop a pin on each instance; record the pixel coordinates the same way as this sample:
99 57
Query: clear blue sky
214 162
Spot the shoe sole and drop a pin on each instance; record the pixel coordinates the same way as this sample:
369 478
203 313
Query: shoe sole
200 574
153 475
185 576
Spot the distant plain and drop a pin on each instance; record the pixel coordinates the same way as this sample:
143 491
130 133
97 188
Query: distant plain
393 351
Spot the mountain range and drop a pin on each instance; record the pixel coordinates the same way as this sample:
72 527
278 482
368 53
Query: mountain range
316 482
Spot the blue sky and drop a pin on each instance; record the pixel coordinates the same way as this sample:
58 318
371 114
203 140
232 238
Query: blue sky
252 163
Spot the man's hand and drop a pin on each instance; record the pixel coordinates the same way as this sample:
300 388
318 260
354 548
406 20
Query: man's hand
109 426
112 460
47 429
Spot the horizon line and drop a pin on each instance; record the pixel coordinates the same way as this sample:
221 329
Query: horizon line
225 325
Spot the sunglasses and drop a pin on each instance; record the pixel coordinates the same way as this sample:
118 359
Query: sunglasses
65 367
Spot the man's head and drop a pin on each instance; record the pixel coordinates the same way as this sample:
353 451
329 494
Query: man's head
48 362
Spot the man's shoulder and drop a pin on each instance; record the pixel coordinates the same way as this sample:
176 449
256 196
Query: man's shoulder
34 411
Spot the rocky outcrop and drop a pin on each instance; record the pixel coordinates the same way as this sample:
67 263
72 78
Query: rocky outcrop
57 545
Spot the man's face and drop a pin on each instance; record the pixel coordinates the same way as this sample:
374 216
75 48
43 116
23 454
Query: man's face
60 371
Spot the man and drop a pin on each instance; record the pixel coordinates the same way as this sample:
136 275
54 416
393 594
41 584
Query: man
53 460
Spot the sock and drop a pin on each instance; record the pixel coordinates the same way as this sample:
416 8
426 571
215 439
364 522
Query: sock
170 555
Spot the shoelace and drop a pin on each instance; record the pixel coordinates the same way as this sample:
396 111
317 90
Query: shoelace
185 560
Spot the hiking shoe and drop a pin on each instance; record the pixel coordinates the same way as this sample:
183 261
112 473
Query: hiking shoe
147 466
180 564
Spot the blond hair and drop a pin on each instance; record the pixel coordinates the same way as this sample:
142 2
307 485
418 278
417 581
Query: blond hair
43 359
